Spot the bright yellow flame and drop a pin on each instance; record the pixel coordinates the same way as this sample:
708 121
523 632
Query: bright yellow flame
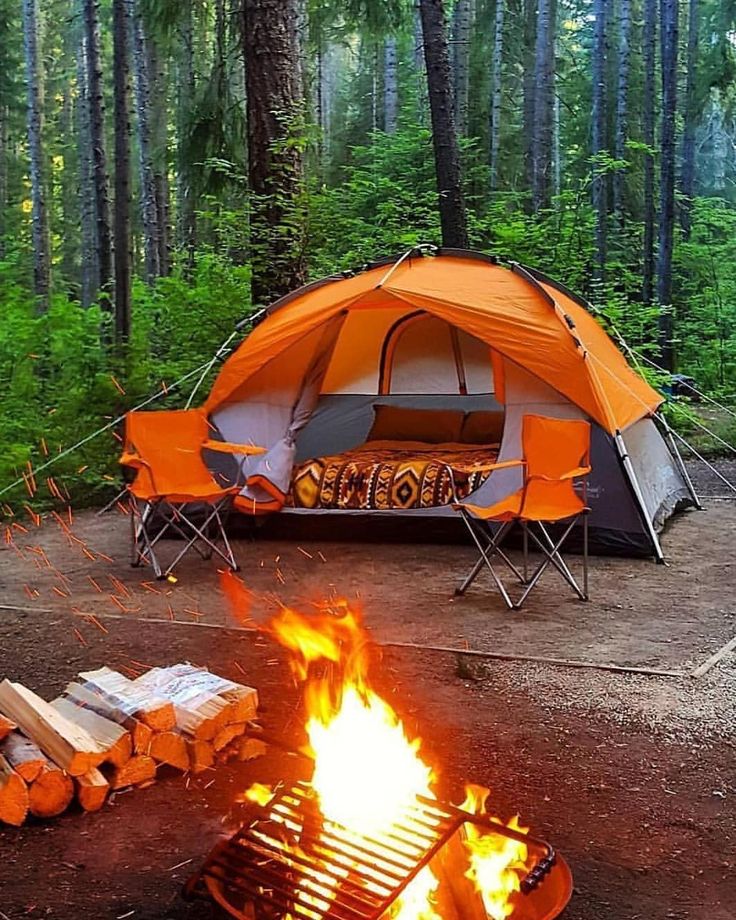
368 773
417 901
496 862
259 794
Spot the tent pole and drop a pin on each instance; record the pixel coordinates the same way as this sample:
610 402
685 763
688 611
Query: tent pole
702 459
675 451
419 248
628 466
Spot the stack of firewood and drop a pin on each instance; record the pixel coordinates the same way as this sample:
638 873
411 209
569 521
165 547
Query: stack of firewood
107 732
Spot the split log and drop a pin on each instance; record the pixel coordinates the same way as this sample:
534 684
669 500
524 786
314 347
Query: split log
139 769
196 714
154 710
68 745
203 702
51 792
6 727
92 789
170 748
458 897
227 734
102 705
112 739
13 795
201 755
243 703
23 755
250 748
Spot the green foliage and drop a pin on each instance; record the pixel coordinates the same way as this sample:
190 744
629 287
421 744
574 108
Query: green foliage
59 381
60 384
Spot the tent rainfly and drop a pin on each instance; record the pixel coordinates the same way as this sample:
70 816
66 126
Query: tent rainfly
445 330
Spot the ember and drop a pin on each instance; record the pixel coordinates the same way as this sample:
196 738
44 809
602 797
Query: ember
367 836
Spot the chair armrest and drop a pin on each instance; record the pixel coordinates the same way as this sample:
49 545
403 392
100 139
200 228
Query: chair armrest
503 464
225 447
570 474
133 460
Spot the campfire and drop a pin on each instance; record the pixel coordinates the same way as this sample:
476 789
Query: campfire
366 836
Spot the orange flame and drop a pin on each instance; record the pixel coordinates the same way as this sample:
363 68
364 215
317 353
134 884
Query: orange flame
496 863
368 771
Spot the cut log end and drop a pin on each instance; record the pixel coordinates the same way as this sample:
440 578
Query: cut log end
139 769
92 789
50 793
13 795
201 755
227 734
23 756
170 748
6 727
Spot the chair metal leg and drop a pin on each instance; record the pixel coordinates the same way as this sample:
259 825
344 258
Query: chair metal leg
585 556
485 559
524 527
551 552
199 534
148 543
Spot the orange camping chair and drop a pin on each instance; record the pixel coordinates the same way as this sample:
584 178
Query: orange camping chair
556 454
170 487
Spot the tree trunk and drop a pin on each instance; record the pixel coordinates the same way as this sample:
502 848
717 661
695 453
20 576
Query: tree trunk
687 178
721 142
158 85
185 177
528 88
496 70
68 182
544 71
453 218
319 102
148 202
87 211
390 85
556 148
39 214
669 39
275 166
599 185
462 21
622 98
103 237
4 152
122 172
649 41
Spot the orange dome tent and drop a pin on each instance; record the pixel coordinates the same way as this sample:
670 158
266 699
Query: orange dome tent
450 331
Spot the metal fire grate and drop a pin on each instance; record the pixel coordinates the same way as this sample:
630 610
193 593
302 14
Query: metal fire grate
287 859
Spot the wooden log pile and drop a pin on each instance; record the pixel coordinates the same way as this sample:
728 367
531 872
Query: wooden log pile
107 732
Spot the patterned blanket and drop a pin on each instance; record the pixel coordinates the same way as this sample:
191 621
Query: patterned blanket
382 475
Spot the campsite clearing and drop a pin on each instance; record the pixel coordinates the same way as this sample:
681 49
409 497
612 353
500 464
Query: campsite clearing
631 777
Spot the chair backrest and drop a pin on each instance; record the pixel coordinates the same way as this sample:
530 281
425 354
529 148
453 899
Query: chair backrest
552 448
169 442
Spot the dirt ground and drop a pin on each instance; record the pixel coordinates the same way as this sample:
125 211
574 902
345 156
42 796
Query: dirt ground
633 778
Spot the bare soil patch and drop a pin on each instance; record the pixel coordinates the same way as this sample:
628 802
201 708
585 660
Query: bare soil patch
632 778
